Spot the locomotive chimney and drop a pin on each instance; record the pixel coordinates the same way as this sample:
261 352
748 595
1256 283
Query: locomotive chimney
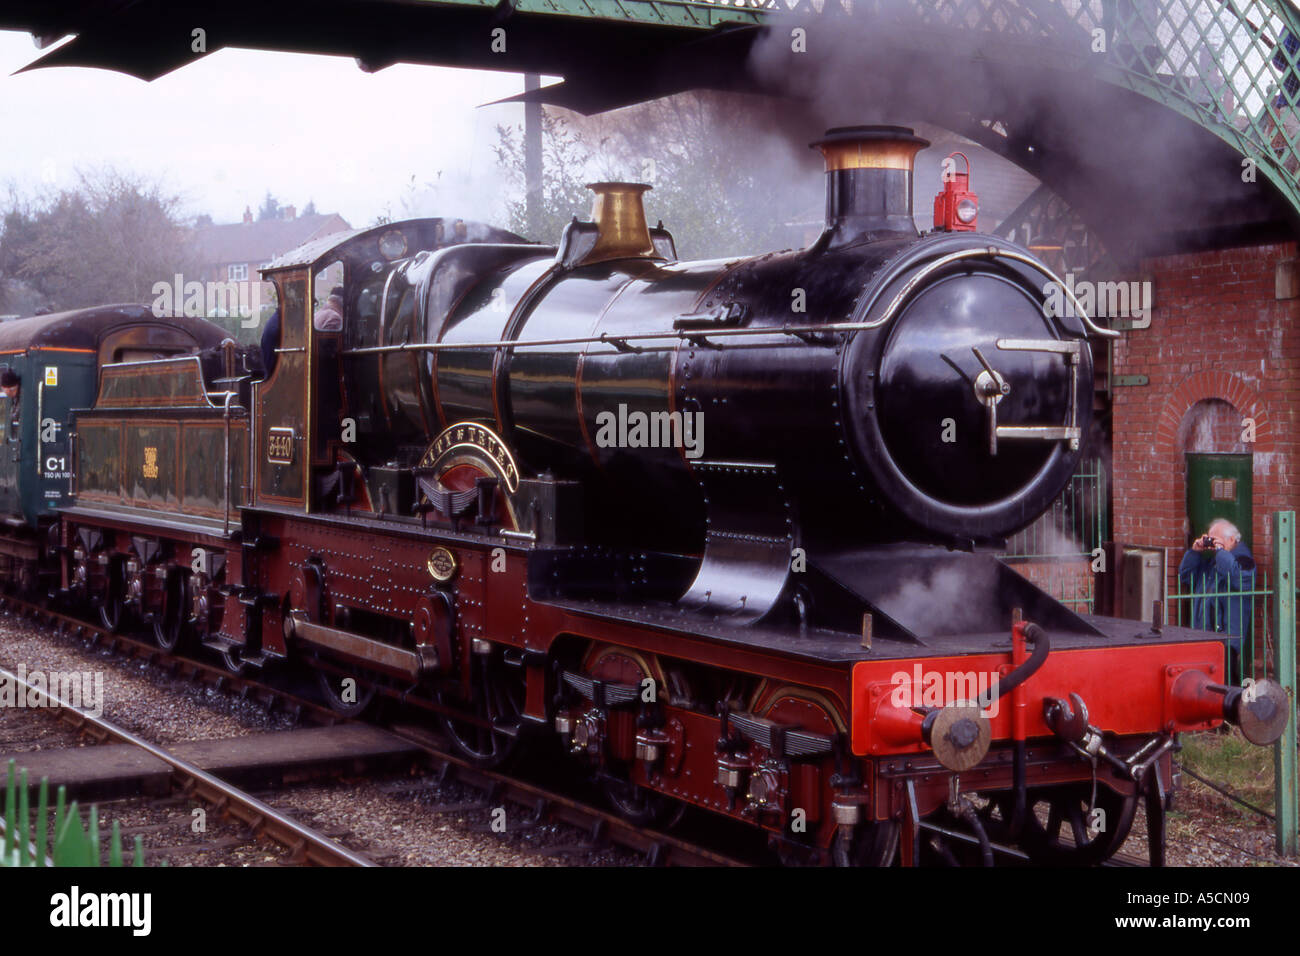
868 183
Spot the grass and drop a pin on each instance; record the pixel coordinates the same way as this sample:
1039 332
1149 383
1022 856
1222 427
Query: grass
1235 764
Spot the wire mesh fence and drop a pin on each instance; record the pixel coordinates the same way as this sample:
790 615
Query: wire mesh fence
1240 612
1074 526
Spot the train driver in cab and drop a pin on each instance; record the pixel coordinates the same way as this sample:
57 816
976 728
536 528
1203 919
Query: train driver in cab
329 317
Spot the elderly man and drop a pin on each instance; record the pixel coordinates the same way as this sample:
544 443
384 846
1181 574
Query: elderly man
1217 568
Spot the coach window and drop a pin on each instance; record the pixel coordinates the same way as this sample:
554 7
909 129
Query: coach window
9 393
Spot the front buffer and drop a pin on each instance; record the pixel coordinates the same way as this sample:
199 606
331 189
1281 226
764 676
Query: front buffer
1038 752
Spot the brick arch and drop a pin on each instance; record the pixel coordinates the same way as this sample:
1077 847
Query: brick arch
1223 386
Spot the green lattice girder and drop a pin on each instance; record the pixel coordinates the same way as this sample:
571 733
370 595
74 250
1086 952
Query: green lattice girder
1209 61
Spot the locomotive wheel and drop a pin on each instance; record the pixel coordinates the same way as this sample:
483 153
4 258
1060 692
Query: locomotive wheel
232 660
489 738
869 845
170 628
332 689
1065 840
642 807
29 581
112 607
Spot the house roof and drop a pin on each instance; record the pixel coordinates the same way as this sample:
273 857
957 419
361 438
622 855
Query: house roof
262 240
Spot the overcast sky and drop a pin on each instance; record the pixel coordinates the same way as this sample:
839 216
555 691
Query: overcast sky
224 130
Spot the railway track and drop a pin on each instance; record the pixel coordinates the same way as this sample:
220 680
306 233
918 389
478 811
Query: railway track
306 844
535 803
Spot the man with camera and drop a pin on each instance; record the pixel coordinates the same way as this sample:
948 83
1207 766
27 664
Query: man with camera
1217 569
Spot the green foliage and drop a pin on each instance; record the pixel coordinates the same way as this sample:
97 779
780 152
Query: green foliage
74 845
565 160
107 240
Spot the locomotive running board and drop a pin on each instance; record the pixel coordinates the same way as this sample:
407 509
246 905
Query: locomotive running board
355 648
749 543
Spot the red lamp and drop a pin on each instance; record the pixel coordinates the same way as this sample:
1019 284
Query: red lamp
956 208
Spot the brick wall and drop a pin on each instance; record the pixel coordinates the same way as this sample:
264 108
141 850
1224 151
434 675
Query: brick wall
1219 334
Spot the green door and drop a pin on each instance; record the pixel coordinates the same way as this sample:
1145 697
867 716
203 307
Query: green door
1219 486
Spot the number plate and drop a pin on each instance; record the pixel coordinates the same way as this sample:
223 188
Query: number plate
279 446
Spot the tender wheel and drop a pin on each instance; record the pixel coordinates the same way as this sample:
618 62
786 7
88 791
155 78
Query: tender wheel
113 603
489 732
1065 838
170 625
345 699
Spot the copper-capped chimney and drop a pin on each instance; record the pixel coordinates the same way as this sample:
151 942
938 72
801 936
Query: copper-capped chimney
618 228
868 183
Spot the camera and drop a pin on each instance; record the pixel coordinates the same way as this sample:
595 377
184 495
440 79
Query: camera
1207 542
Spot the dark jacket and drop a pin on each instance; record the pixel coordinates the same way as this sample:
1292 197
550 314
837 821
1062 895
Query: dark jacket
1216 576
270 342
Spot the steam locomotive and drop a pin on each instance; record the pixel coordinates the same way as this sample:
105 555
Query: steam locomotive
722 529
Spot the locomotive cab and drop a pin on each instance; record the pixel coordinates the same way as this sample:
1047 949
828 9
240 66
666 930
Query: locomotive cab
328 414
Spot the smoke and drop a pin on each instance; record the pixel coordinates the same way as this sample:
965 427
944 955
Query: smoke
456 195
950 598
1028 88
731 172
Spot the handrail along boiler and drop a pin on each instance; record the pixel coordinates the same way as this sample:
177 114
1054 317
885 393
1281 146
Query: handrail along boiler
723 528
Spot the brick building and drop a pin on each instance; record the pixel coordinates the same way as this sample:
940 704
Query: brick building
1223 347
233 252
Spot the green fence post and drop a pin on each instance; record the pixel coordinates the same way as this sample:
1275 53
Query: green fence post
1284 752
11 812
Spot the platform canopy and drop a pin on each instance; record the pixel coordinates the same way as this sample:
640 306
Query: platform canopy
1163 124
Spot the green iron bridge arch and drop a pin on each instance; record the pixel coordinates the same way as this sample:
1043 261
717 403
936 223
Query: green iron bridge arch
1162 124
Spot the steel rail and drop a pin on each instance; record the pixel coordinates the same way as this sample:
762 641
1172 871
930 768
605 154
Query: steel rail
314 846
221 677
660 848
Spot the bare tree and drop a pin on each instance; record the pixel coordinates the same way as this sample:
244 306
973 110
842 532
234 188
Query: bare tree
109 239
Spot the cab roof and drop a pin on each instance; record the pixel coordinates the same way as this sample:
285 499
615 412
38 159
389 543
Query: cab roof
363 244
